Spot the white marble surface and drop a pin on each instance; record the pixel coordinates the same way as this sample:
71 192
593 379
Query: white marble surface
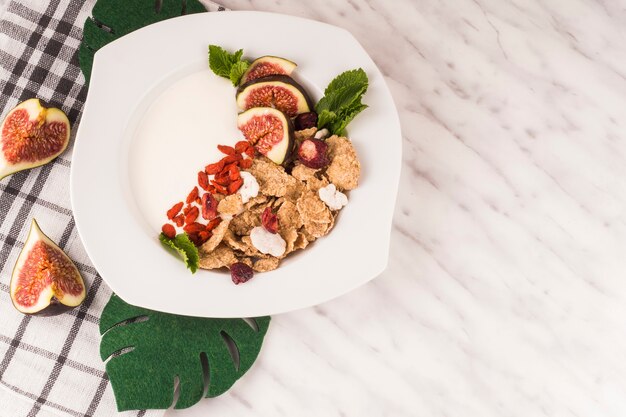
505 294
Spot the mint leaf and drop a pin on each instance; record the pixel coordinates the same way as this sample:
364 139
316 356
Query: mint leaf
338 126
351 77
184 248
342 101
225 64
237 71
325 117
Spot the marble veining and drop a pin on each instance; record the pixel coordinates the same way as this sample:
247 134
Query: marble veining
505 293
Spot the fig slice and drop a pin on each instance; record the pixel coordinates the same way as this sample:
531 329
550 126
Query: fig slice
268 65
45 281
278 91
31 136
270 131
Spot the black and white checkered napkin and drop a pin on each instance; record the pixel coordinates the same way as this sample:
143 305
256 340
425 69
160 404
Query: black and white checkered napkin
48 366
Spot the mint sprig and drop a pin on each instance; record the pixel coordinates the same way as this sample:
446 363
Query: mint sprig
227 65
184 248
342 101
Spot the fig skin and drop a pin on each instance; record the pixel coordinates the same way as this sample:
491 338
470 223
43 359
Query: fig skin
53 305
285 79
285 65
13 161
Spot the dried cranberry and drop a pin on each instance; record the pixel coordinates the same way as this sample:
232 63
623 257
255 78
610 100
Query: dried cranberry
240 273
312 153
305 120
269 220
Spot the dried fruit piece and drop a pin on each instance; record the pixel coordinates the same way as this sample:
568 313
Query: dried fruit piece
171 213
268 65
232 158
246 163
241 146
203 180
213 169
313 153
45 280
240 273
213 224
234 186
269 220
168 230
270 130
251 152
192 215
179 220
195 227
191 197
305 120
209 206
278 91
31 136
228 150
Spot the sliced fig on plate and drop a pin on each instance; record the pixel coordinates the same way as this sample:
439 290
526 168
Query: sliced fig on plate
31 135
268 65
270 131
45 280
278 91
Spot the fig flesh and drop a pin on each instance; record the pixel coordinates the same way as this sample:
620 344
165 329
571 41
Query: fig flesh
278 91
45 280
31 135
268 65
270 131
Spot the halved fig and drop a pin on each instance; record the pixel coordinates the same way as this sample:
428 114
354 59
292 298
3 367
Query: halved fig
270 131
45 280
268 65
32 135
278 91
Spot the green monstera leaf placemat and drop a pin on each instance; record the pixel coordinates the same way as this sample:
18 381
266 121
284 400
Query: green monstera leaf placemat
112 19
149 351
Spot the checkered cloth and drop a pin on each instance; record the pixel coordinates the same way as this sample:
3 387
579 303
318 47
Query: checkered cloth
48 366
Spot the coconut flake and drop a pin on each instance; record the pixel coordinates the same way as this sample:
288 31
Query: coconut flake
250 187
321 134
333 198
266 242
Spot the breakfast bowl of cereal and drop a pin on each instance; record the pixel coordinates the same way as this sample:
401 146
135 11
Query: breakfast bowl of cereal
236 175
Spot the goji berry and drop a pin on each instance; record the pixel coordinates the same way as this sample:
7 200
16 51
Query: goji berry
174 210
203 180
192 215
246 163
194 227
204 235
195 238
234 175
228 150
234 186
241 146
213 223
220 189
250 151
229 159
168 230
213 169
209 206
186 210
221 181
179 220
192 195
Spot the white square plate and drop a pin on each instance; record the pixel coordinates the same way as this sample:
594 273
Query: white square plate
152 119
